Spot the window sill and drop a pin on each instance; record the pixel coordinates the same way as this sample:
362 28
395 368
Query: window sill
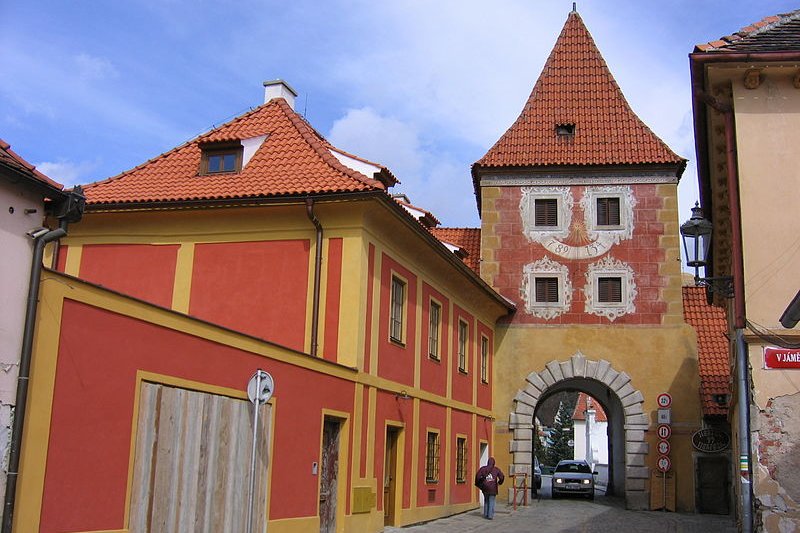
397 342
463 371
434 358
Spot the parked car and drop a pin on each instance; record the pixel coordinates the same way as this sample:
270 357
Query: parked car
573 477
537 475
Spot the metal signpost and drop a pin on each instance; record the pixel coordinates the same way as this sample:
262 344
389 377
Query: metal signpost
664 431
259 391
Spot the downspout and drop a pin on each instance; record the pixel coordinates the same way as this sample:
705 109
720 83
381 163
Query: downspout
317 275
42 237
737 270
62 224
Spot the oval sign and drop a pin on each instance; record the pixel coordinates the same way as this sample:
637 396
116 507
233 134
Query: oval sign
663 447
664 464
664 431
711 440
664 399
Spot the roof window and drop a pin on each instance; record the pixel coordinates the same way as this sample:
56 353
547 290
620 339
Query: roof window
221 158
565 129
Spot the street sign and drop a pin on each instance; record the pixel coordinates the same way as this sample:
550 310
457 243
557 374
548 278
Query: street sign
664 400
664 431
665 416
260 387
664 464
781 358
663 447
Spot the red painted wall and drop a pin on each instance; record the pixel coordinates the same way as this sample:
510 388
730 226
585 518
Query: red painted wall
462 383
433 373
434 417
333 296
61 262
642 252
144 271
90 439
395 361
258 288
461 424
389 407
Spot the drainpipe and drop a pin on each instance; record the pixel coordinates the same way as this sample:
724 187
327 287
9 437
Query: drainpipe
41 237
737 270
62 224
317 275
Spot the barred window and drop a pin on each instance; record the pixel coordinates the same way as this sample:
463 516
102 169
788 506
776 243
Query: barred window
484 360
434 328
463 333
397 305
461 460
545 212
432 458
609 290
546 289
608 211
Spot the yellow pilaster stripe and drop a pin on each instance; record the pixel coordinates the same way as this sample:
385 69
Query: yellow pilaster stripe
376 301
323 297
415 456
358 414
373 394
353 302
182 287
448 424
418 333
73 263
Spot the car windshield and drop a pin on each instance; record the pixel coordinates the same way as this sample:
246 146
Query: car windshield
581 468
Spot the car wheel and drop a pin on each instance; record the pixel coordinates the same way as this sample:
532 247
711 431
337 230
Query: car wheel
591 495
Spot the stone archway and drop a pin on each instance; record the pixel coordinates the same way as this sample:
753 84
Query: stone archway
635 423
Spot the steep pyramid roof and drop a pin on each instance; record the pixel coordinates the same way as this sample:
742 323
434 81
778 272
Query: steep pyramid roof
586 402
577 89
777 33
289 158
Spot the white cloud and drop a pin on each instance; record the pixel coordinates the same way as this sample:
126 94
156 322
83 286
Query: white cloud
66 172
94 68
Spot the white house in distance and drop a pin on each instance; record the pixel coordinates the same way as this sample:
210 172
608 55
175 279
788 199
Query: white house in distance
590 433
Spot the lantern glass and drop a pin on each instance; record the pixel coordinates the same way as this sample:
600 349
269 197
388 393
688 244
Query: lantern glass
696 234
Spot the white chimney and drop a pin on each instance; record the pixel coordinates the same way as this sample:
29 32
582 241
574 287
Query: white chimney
279 89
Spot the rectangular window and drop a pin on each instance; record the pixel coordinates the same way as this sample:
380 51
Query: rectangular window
608 212
609 290
463 333
484 360
432 458
221 158
461 460
545 212
397 307
546 290
434 328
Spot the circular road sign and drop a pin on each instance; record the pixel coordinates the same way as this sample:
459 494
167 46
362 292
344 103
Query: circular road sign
664 400
663 447
664 431
260 387
664 464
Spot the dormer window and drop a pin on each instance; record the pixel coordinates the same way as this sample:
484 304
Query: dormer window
221 158
565 130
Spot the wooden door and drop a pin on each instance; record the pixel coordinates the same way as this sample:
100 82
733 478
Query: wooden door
390 476
713 495
329 471
191 468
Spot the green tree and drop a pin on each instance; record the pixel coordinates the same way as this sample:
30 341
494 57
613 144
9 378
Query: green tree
561 436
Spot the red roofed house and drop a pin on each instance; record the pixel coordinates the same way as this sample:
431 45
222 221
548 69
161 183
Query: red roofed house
257 245
746 95
578 201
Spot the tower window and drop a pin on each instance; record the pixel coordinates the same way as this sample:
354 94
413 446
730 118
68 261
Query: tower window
546 212
546 290
565 129
608 211
609 290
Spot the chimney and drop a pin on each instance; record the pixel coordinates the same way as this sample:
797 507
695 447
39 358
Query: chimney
279 89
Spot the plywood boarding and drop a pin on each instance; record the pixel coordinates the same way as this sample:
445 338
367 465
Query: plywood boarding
191 470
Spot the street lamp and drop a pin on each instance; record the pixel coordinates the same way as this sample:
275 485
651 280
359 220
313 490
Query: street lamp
696 235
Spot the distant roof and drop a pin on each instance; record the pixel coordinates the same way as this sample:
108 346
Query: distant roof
12 161
777 33
712 348
289 158
584 403
425 217
577 88
468 239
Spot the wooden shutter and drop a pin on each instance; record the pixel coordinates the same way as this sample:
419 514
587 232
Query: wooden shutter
547 290
546 212
608 212
609 290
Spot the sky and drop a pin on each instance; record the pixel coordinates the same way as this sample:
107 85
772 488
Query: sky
91 88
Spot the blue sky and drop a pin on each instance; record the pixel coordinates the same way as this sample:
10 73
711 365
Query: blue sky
91 88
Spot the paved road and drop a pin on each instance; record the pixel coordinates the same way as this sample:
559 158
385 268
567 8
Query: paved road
603 515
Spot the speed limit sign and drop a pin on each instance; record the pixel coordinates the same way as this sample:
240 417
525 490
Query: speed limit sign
664 464
664 431
663 447
664 400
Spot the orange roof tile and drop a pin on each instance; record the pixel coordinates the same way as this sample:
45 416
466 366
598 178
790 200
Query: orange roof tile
293 160
777 33
468 239
425 217
712 348
583 404
12 160
576 87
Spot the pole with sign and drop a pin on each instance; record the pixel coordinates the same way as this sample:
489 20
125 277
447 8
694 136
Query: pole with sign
259 391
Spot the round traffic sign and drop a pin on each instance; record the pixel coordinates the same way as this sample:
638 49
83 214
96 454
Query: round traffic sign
664 464
663 447
664 431
260 387
664 399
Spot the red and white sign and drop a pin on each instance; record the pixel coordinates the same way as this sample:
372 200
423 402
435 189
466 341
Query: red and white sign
664 464
781 358
663 447
664 400
664 431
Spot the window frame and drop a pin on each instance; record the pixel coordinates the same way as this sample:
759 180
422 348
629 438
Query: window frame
434 330
220 150
619 203
600 289
550 201
536 284
397 310
484 359
463 346
546 268
432 452
461 459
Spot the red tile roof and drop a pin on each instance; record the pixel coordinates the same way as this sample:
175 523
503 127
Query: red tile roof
576 87
468 239
293 160
712 348
12 160
777 33
583 404
425 217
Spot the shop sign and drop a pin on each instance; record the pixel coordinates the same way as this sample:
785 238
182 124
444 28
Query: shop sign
711 440
781 358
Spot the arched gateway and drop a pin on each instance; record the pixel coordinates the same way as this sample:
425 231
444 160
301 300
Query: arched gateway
623 404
